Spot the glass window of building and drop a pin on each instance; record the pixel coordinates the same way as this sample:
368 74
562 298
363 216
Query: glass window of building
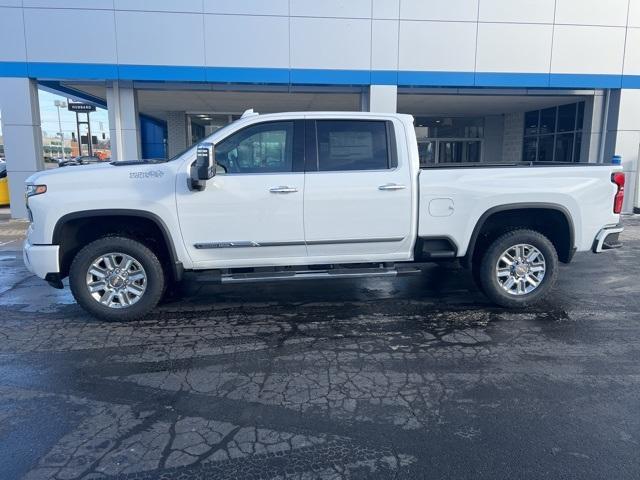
553 134
201 125
449 140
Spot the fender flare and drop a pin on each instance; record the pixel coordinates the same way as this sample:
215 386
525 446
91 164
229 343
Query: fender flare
468 257
176 265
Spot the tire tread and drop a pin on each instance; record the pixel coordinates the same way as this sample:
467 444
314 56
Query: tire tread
153 267
485 273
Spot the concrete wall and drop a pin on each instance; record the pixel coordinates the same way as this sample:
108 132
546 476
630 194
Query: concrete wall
493 138
22 136
124 121
440 42
624 139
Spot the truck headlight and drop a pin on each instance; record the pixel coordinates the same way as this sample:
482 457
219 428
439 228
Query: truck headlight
31 190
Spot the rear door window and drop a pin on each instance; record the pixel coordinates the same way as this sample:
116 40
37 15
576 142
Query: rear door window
344 145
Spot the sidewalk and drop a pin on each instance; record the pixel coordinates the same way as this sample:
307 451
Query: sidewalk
12 233
5 213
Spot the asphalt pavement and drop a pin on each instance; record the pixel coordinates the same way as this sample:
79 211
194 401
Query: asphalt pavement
416 377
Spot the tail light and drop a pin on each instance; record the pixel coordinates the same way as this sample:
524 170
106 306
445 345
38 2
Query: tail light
618 179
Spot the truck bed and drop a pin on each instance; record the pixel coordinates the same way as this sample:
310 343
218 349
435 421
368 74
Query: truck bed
455 197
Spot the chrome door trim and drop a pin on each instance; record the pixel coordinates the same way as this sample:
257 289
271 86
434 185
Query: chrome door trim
244 244
250 244
355 240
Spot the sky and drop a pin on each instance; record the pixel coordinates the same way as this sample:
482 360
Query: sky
49 118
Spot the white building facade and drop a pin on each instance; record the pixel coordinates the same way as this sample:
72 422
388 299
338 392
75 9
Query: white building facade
494 81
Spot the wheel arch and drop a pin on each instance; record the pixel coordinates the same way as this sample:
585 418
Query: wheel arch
62 229
563 241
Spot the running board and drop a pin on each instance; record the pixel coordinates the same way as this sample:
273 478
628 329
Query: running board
284 276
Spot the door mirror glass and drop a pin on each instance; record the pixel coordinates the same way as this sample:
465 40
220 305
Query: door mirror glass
205 166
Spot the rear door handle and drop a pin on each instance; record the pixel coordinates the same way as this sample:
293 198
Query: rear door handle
391 186
283 189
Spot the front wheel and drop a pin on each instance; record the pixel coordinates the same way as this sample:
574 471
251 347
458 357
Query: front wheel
518 269
116 279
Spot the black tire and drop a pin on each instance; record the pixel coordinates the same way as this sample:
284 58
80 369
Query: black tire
486 274
155 279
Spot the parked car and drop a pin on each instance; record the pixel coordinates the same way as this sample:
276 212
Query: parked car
81 160
312 196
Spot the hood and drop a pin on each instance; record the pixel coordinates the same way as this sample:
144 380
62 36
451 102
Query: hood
101 174
54 173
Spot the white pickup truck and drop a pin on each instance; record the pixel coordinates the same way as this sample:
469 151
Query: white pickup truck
311 196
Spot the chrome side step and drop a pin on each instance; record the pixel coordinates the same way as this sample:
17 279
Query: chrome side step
279 276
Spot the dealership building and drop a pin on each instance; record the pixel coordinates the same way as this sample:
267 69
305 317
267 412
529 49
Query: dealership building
488 81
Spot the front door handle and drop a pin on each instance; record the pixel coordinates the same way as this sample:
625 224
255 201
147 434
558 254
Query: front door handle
391 186
283 189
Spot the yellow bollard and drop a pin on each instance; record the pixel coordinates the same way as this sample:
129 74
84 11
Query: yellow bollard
4 187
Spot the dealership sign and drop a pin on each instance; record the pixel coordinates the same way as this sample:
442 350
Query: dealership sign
81 107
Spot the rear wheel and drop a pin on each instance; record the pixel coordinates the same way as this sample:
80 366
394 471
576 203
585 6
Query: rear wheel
116 279
518 269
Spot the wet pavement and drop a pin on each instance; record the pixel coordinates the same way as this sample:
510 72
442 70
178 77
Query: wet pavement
417 377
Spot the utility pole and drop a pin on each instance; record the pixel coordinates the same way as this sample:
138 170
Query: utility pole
60 104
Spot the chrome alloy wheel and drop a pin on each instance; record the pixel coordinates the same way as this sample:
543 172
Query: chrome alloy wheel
116 280
520 269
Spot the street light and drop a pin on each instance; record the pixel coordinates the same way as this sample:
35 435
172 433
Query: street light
60 104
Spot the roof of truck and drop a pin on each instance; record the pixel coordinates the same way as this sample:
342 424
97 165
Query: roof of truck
350 114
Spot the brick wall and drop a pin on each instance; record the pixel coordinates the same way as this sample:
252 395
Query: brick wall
512 138
176 132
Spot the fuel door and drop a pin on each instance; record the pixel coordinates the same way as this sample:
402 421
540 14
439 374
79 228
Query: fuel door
441 207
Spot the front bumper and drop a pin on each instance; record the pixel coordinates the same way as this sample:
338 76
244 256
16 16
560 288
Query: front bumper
41 259
607 238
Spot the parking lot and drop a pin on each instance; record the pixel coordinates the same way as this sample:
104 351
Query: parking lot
416 377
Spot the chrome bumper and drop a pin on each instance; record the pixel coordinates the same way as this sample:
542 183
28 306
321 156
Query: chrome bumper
607 239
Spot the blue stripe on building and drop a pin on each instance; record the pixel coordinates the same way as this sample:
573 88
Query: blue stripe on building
283 76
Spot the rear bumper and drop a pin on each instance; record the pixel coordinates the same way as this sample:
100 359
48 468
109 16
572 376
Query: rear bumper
41 259
607 238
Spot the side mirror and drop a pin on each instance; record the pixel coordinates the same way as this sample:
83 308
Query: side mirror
205 166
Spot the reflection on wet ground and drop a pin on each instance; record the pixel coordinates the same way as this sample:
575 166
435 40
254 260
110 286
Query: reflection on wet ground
417 377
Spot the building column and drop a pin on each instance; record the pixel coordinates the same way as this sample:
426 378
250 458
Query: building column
381 99
176 133
124 122
592 135
513 137
22 135
624 139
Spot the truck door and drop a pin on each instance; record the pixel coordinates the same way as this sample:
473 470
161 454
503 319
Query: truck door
250 213
358 191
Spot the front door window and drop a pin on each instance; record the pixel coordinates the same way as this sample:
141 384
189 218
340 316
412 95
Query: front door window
262 148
